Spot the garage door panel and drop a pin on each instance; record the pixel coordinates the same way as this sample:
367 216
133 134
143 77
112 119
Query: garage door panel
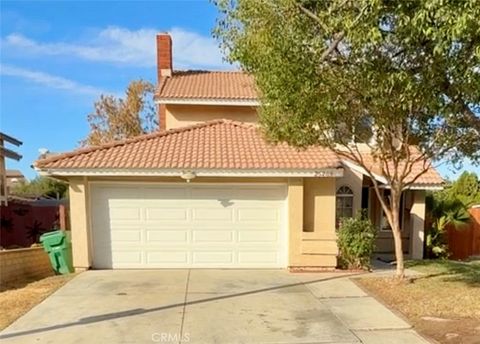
166 214
167 236
189 225
126 236
212 214
212 257
258 215
126 257
250 193
209 236
255 257
160 258
258 236
125 213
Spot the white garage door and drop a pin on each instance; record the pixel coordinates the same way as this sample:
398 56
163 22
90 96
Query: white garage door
188 225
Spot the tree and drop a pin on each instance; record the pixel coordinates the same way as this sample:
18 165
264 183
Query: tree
388 85
115 118
465 189
41 187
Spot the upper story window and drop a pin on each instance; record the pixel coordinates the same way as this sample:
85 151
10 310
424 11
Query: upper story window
344 203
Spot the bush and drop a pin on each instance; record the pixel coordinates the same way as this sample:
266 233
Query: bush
356 242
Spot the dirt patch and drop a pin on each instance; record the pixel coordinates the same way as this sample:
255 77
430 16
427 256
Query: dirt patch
18 298
443 304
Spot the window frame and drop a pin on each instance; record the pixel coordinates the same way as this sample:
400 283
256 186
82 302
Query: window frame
350 195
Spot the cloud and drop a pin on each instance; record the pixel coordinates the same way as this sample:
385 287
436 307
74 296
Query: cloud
127 47
49 80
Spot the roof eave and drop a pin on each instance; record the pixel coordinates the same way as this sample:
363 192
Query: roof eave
207 101
110 172
381 179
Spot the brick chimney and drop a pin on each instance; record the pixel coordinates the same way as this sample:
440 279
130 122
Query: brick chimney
164 69
164 55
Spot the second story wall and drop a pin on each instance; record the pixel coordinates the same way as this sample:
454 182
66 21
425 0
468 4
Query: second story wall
182 115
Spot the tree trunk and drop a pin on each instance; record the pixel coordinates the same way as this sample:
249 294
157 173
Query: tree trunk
395 205
392 212
397 238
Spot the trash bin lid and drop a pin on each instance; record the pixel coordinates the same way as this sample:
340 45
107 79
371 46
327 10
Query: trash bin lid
54 238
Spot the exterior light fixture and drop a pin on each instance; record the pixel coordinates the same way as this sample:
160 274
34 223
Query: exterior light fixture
188 176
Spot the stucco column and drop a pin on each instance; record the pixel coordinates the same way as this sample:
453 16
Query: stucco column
80 224
417 218
295 219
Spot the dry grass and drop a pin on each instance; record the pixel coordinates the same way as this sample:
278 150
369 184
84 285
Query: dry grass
17 299
444 303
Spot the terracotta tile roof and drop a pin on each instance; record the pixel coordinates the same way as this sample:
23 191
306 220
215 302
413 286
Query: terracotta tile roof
219 144
430 177
208 85
14 174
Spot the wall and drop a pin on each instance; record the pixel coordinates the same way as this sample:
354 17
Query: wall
24 264
80 223
312 223
183 115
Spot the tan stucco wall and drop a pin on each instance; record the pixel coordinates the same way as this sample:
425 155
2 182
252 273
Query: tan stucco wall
80 223
312 223
417 225
182 115
319 204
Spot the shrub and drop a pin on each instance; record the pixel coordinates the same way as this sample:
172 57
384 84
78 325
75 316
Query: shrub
356 242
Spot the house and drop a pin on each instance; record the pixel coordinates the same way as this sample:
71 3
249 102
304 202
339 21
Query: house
207 190
14 177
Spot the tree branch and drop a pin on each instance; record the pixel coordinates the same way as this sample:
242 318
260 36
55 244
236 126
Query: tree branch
313 16
338 37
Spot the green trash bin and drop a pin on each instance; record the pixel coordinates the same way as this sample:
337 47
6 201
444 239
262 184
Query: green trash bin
59 249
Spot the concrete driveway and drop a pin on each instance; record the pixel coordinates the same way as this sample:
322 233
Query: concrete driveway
210 306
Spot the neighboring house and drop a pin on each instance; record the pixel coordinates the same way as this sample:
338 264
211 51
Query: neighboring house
207 190
14 177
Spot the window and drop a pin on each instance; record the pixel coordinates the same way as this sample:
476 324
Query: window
344 204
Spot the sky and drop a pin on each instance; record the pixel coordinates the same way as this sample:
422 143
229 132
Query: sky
57 57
